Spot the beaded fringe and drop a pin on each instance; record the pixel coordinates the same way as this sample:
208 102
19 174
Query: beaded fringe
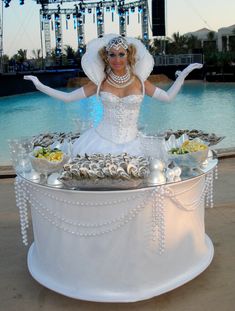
86 230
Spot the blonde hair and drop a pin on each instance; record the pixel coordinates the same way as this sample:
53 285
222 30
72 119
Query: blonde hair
131 56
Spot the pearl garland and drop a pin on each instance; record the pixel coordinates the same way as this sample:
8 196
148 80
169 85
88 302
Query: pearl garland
158 218
121 218
70 203
209 195
118 222
21 204
24 195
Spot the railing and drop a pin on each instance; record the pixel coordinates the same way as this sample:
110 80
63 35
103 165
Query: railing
179 59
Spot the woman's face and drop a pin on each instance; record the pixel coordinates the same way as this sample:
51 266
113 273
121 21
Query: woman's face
117 60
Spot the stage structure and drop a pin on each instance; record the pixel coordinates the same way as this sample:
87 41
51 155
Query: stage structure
1 38
51 19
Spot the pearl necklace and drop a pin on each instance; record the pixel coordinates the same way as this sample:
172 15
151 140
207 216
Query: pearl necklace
119 81
119 86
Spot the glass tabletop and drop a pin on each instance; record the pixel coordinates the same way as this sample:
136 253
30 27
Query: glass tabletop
108 184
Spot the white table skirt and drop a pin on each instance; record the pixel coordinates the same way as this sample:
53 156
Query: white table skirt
118 246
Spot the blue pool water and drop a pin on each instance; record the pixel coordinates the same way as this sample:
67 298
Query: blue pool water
206 106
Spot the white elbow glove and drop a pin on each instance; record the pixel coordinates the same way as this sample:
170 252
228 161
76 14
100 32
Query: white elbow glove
66 97
169 95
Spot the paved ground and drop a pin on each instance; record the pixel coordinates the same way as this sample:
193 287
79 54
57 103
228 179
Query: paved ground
213 290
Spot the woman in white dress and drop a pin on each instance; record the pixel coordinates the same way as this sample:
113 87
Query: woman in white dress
118 69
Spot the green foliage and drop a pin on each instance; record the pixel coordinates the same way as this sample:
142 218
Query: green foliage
21 56
220 59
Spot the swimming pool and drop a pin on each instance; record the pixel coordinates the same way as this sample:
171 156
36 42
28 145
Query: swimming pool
206 106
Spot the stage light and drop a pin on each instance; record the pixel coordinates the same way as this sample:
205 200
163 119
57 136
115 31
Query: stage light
21 2
56 16
68 16
48 16
7 3
140 9
132 9
108 9
89 10
100 21
122 20
57 52
121 11
81 50
113 8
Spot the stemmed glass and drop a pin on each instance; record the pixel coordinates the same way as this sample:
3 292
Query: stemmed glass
20 149
154 147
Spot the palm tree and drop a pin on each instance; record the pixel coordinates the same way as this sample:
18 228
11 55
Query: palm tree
193 43
37 53
38 60
210 46
21 56
70 52
177 44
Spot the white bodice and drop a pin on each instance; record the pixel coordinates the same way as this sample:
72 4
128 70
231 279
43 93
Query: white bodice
120 118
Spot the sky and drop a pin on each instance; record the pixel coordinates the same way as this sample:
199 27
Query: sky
21 26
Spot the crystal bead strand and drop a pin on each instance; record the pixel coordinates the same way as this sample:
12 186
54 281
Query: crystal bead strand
209 196
161 220
102 231
158 218
70 203
154 214
207 191
21 203
216 172
44 210
187 206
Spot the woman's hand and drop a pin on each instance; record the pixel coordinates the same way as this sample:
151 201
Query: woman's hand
188 69
34 79
66 97
169 95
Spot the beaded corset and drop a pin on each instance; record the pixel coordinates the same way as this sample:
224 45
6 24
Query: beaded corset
120 118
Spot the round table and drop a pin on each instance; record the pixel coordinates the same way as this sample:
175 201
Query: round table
119 245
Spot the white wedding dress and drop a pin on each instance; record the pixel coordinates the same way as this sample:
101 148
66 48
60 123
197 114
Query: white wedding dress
118 129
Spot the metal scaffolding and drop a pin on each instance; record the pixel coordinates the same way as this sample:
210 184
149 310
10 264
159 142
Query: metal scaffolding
45 27
81 8
1 39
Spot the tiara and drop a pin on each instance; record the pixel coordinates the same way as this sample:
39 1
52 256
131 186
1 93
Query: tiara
116 43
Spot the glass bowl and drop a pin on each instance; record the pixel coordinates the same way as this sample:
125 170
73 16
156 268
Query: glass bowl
44 166
191 159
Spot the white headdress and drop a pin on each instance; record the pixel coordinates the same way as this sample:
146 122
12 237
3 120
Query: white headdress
93 65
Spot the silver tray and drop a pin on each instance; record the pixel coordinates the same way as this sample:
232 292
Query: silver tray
101 184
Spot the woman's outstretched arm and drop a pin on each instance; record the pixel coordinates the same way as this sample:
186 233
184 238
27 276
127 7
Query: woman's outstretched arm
82 92
169 95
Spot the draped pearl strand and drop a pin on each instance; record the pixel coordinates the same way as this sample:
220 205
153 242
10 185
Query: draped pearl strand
119 81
